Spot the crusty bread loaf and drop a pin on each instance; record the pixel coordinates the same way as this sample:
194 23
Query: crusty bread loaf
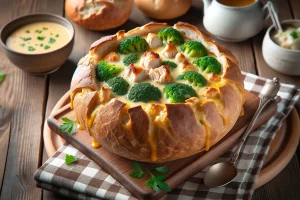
179 129
164 9
98 14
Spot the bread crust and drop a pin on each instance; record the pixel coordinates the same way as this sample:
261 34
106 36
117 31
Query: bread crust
159 9
98 14
133 133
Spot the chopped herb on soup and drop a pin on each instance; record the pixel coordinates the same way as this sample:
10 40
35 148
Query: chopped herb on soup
51 40
26 38
30 48
47 47
38 31
41 38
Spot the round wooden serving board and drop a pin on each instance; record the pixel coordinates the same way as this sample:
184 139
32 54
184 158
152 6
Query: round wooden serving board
281 151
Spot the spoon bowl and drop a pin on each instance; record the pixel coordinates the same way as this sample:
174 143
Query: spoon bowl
220 174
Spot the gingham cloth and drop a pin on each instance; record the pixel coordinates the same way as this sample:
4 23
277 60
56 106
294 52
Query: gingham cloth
86 180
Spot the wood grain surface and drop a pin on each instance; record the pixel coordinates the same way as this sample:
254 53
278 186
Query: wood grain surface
26 100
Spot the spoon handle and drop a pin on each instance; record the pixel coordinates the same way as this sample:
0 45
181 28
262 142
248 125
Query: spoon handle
268 94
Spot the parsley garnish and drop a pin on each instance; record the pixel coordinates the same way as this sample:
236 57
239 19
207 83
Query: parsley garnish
22 45
51 40
68 126
157 182
38 31
70 159
162 170
56 35
26 38
30 48
2 76
27 31
41 45
139 171
41 38
45 28
46 47
294 34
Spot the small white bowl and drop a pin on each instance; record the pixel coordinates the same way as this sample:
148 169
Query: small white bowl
283 60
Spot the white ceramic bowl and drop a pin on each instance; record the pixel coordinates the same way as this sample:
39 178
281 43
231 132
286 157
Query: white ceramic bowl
283 60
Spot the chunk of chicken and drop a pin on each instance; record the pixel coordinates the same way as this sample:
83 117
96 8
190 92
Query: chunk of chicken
214 77
211 92
112 57
135 73
170 50
179 57
153 40
161 74
150 60
185 66
105 94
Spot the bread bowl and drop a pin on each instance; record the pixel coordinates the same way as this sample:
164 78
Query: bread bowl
167 127
98 14
164 9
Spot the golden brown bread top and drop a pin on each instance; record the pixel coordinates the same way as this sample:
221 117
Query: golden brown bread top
158 132
98 14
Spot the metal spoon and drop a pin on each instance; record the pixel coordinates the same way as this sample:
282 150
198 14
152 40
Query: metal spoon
274 16
223 173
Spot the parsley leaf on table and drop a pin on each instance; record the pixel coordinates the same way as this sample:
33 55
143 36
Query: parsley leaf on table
68 126
2 76
157 182
70 159
138 173
162 170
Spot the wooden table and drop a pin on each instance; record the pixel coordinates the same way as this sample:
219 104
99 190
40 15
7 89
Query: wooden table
26 100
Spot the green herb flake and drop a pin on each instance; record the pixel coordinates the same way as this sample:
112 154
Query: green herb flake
157 183
68 126
25 38
51 40
41 38
294 34
57 35
27 31
51 33
22 45
38 31
30 48
45 28
138 173
162 170
69 159
46 47
2 76
41 45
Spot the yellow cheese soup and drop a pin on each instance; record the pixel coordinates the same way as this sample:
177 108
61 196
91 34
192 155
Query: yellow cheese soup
40 37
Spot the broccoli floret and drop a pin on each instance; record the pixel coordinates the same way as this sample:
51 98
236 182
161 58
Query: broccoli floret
144 92
179 92
131 58
193 49
194 78
169 63
118 85
170 34
208 64
106 71
135 44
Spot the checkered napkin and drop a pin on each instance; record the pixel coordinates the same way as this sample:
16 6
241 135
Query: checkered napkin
86 180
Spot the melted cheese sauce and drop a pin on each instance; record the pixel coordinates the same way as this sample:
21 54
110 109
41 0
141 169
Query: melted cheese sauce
156 110
37 38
